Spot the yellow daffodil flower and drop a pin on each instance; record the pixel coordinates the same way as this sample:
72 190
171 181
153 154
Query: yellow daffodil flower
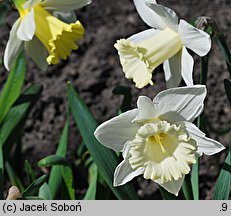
165 42
158 139
46 38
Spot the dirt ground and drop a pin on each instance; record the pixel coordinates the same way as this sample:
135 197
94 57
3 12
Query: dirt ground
95 71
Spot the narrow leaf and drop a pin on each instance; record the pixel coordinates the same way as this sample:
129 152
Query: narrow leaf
29 171
13 86
34 187
187 188
16 117
68 179
55 174
195 179
44 192
127 99
227 85
53 160
13 177
223 184
105 159
1 174
92 188
4 10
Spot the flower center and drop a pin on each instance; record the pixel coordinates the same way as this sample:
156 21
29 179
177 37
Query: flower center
164 150
159 140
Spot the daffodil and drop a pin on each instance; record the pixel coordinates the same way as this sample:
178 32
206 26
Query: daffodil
158 139
46 38
165 42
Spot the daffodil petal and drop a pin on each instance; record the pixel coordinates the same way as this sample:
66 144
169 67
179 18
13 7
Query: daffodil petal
194 39
13 47
172 70
136 38
185 103
37 52
173 186
65 5
31 3
65 16
167 16
205 145
146 109
148 15
187 63
115 132
124 173
27 27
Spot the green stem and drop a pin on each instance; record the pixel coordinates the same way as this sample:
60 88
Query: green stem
195 168
222 42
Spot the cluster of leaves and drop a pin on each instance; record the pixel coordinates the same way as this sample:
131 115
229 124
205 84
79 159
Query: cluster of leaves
14 110
61 182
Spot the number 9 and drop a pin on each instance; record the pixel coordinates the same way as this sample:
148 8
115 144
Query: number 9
224 206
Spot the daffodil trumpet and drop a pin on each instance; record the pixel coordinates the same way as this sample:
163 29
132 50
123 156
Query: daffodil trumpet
165 42
46 38
158 139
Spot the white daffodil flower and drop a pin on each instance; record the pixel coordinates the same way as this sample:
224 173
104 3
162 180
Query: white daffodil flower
158 139
46 38
165 42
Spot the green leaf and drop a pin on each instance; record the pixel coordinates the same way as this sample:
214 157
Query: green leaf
1 174
55 174
53 160
34 186
92 188
195 179
68 179
227 85
44 192
105 159
13 177
223 184
187 188
15 119
13 86
29 171
127 99
4 10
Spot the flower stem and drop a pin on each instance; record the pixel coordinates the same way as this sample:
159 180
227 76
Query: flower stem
221 40
195 168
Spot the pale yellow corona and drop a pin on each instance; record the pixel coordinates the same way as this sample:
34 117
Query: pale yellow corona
164 150
140 59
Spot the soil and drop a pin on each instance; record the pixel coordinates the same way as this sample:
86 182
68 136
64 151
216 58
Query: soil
94 70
